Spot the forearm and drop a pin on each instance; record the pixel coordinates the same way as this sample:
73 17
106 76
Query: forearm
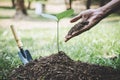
111 7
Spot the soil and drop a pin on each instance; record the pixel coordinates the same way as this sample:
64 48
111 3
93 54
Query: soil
77 27
75 30
60 67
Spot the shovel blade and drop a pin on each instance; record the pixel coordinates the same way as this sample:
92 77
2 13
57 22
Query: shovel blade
26 58
22 58
29 57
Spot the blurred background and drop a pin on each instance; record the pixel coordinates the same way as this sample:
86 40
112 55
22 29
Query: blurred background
100 45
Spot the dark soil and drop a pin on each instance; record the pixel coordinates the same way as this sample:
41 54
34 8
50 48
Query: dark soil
75 30
61 67
77 27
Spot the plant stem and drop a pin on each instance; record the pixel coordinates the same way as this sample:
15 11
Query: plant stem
58 35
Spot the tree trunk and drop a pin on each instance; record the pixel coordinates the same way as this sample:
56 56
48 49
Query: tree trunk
88 4
43 7
29 4
13 3
68 4
21 11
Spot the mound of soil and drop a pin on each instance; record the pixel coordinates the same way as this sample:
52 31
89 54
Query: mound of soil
60 67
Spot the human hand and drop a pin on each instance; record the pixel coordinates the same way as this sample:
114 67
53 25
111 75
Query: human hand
93 16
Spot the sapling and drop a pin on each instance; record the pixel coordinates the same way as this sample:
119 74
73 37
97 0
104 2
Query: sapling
57 18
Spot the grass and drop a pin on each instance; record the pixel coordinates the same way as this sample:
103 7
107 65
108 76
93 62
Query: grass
92 46
102 40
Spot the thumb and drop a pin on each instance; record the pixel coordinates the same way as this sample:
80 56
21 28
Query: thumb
76 18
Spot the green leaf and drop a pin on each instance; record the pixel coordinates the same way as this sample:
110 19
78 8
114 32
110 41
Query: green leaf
59 16
50 16
64 14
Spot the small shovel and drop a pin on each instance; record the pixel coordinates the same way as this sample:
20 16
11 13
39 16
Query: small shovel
24 55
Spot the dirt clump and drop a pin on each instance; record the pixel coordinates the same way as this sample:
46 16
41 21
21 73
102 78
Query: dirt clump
60 67
75 30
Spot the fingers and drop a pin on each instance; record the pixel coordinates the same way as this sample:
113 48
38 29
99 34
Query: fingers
83 15
76 18
68 37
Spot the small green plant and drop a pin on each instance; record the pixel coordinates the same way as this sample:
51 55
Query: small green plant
57 18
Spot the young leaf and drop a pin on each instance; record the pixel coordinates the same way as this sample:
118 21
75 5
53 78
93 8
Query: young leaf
64 14
50 16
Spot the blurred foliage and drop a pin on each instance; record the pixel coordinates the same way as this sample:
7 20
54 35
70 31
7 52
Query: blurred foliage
98 1
7 63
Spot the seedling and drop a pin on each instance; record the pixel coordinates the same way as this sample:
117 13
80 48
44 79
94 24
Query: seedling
57 18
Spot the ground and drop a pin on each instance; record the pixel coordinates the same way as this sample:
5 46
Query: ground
60 67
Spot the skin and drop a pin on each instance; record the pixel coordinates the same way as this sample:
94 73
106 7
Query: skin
94 16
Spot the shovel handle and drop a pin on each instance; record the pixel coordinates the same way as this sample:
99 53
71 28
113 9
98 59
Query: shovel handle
17 38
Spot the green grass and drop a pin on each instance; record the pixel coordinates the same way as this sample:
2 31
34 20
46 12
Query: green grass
92 46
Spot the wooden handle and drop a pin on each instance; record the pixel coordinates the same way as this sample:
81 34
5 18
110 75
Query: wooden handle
17 38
